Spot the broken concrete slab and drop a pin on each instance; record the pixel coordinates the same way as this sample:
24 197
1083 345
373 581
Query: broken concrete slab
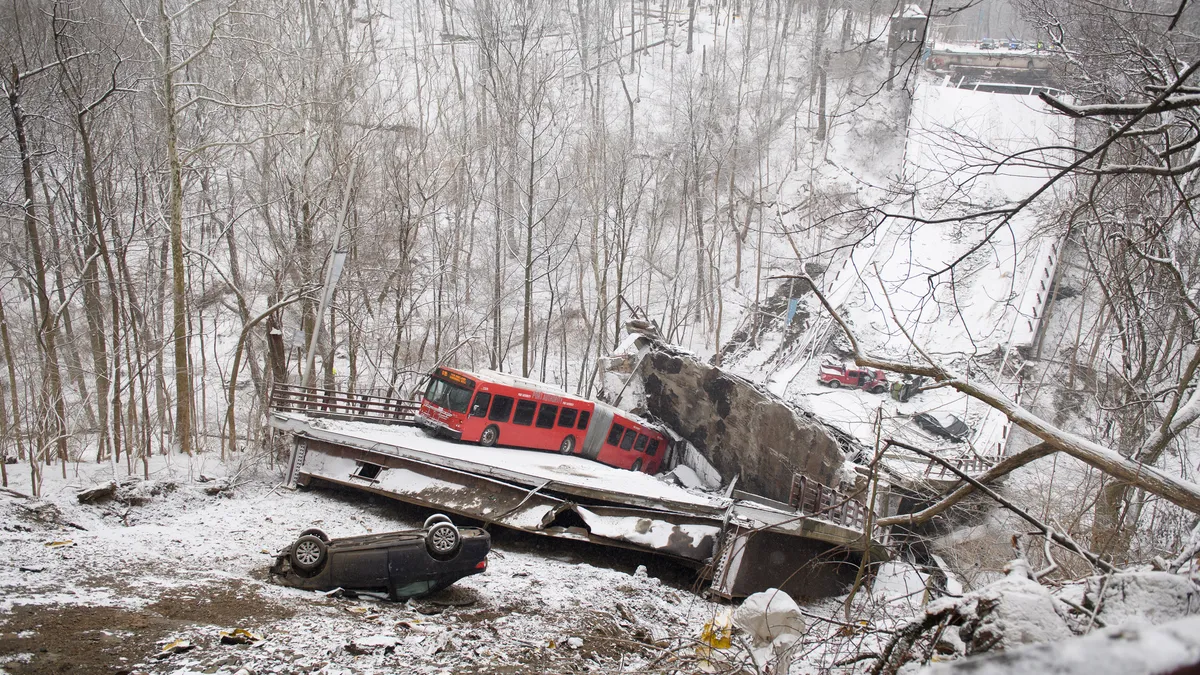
739 428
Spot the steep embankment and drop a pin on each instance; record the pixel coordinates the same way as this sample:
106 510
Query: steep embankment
924 279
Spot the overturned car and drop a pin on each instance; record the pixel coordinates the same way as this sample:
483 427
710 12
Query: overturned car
403 564
944 425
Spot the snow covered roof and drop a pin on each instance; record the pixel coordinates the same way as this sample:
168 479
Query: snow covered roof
638 419
911 11
517 381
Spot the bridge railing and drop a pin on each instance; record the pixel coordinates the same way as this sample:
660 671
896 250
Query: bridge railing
815 498
336 404
971 466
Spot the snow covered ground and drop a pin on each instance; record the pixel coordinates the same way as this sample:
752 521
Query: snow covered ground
98 587
183 556
104 587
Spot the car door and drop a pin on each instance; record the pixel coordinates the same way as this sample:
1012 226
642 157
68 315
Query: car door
362 567
409 562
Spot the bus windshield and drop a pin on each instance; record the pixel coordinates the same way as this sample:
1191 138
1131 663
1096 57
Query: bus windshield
447 395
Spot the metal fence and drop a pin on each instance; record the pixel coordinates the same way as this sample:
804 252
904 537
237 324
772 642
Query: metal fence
814 498
972 466
331 403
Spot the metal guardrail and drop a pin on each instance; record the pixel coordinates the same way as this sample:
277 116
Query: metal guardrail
969 465
335 404
812 497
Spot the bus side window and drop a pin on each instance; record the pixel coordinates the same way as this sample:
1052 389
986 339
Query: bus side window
640 445
546 415
480 406
614 434
584 416
501 408
627 442
566 418
524 413
652 449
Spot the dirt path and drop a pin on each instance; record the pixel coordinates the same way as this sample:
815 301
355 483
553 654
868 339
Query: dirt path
89 639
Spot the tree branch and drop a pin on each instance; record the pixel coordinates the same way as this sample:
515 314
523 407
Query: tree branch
1001 469
1058 538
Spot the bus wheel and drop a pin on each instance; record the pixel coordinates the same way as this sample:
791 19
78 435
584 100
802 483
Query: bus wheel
637 465
489 436
568 445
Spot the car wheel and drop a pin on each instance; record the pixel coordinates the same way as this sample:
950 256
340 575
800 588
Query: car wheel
316 532
442 540
489 436
434 519
309 553
877 389
568 445
834 384
637 465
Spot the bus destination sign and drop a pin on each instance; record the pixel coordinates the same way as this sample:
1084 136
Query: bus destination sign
454 377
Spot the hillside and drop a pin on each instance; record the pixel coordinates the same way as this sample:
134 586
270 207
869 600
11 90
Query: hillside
205 199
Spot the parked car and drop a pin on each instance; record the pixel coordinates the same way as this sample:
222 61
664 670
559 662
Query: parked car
404 564
836 375
987 43
943 424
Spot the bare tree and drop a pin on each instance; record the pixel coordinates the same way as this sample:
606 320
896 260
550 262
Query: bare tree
15 83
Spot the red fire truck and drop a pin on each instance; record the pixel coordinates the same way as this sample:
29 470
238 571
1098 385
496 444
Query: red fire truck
493 408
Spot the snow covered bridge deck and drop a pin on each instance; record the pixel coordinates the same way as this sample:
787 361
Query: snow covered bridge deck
569 474
575 498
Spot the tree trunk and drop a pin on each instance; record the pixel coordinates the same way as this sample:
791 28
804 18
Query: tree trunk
73 363
821 94
818 44
691 24
235 275
48 330
497 270
179 337
526 333
93 303
10 363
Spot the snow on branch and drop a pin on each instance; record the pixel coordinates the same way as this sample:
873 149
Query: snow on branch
1122 109
1079 166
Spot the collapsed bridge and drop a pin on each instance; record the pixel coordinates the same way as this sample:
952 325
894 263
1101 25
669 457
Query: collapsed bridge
740 542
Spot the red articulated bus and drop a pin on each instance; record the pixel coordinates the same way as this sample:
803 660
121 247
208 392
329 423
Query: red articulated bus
496 408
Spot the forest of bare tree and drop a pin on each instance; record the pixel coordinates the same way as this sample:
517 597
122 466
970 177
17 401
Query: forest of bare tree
505 181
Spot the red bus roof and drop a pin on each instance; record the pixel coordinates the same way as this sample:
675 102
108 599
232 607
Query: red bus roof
510 380
522 382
